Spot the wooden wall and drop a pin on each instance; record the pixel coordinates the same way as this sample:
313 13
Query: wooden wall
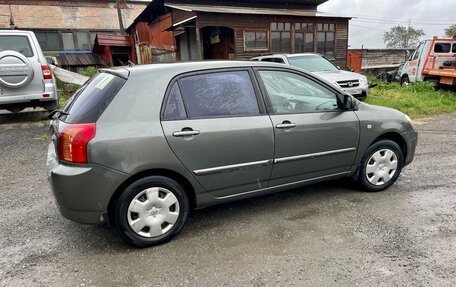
240 22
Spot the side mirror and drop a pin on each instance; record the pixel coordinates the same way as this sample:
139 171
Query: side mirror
349 103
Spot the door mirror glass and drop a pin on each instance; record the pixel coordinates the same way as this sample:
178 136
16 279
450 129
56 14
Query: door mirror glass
349 103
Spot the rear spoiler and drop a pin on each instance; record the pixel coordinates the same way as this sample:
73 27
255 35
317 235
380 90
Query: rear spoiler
120 72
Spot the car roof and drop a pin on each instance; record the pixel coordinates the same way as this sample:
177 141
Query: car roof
15 32
286 55
184 67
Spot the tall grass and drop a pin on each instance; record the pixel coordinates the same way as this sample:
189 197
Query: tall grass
417 100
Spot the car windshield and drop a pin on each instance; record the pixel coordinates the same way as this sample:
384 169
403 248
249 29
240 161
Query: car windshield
313 63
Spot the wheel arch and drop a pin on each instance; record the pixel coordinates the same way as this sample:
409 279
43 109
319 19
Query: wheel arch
152 172
395 137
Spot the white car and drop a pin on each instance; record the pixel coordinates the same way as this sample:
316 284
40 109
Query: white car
352 83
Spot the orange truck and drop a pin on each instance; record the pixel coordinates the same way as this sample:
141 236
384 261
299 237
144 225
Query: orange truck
433 60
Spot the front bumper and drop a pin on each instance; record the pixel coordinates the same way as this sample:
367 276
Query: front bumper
358 93
411 138
82 192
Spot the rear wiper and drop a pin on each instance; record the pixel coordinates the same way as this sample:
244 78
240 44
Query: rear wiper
60 113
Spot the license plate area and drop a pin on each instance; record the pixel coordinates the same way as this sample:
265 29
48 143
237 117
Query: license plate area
354 91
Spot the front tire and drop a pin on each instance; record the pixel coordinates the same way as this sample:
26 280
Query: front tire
380 166
405 81
151 211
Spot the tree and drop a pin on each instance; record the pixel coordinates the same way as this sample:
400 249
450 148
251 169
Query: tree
450 30
402 37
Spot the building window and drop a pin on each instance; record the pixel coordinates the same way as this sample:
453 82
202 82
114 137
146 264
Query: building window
49 41
281 37
325 39
68 41
256 40
83 39
304 37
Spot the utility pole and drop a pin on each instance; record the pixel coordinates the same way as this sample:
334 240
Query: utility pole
119 15
12 25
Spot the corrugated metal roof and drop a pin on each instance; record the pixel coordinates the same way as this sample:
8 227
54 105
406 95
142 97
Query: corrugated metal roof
79 59
240 10
248 10
113 40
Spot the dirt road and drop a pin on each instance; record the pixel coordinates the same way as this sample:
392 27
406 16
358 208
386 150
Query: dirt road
325 234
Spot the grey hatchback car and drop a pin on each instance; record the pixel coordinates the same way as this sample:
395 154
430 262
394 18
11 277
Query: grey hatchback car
142 146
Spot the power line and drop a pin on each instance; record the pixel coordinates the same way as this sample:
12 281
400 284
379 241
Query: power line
369 17
400 22
368 28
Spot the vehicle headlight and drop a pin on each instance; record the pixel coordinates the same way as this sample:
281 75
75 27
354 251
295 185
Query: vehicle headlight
363 81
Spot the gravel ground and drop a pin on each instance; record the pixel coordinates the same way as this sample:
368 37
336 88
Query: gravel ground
325 234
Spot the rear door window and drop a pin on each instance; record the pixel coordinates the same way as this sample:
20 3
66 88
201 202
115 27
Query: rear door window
91 100
219 94
174 109
20 44
454 48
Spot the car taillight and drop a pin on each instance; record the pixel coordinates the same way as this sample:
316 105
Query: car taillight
47 74
73 142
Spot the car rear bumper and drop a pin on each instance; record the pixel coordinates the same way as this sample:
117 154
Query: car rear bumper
49 94
82 192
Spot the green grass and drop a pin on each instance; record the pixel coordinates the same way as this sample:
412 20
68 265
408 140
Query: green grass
417 100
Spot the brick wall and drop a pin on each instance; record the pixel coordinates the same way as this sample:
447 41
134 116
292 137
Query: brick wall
95 14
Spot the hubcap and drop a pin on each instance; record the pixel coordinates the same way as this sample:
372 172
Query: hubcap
153 212
381 167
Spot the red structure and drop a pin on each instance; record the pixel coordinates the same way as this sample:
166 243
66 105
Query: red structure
115 50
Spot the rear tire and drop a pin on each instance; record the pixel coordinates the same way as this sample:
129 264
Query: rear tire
380 166
151 211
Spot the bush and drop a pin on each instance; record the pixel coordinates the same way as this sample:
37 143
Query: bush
89 71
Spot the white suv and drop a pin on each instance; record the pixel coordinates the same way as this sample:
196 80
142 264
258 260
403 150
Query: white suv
25 77
352 83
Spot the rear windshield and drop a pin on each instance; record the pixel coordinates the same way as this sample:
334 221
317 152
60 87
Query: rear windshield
15 43
91 100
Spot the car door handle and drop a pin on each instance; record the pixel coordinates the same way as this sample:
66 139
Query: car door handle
186 133
286 126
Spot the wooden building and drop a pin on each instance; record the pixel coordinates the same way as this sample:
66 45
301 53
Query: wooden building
236 29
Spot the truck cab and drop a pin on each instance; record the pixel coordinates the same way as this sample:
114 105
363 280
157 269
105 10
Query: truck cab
433 60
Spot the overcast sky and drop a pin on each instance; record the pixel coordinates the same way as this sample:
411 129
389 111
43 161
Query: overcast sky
371 18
